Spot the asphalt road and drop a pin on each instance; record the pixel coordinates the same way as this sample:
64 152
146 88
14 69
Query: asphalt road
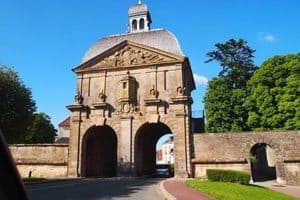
94 189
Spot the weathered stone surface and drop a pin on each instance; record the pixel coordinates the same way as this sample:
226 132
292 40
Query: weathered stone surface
129 87
42 160
232 151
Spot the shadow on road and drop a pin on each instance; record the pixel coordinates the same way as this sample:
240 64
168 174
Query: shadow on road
92 189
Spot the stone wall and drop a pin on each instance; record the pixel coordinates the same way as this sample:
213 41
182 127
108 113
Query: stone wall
232 150
43 160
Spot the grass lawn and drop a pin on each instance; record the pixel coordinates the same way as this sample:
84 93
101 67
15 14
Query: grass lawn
235 191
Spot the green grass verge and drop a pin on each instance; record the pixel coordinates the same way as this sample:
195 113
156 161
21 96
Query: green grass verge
235 191
33 179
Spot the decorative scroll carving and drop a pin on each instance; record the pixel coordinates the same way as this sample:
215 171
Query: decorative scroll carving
78 98
102 96
180 91
130 55
153 93
127 107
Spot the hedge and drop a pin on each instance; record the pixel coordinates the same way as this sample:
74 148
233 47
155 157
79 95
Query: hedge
228 176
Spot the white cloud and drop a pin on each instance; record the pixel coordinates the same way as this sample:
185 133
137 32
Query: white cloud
200 80
267 37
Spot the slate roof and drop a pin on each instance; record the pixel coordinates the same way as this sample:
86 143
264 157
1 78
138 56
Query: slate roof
157 38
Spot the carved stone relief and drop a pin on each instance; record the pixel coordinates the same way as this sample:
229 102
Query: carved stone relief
180 91
78 98
102 96
153 93
126 107
130 55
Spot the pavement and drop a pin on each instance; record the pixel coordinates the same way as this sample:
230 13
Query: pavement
176 189
115 188
286 189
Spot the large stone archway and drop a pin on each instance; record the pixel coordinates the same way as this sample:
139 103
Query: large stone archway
99 152
145 147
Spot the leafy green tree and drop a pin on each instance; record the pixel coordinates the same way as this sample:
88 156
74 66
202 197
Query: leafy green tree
225 96
41 130
236 60
16 106
274 99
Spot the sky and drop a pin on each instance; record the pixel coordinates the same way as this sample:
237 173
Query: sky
44 39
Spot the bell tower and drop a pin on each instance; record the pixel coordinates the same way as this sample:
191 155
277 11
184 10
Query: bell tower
139 18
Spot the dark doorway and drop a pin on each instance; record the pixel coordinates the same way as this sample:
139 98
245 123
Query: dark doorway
145 147
100 150
262 163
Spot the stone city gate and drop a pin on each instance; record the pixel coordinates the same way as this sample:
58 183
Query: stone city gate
131 89
121 111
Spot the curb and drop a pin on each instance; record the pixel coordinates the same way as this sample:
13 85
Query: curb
48 181
165 193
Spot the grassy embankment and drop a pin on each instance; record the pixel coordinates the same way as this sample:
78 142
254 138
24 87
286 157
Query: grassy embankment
236 191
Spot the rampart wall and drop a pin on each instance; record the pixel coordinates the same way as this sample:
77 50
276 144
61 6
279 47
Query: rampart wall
41 160
232 151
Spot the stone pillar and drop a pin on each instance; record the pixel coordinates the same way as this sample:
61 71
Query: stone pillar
182 138
125 151
74 145
181 148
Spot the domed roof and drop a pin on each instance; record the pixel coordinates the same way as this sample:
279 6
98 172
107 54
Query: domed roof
138 9
159 38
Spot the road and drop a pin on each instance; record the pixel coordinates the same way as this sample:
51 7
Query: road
96 189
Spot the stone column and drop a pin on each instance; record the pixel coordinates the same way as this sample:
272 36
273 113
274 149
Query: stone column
125 151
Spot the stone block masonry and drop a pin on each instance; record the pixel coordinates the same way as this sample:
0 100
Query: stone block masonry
41 160
232 151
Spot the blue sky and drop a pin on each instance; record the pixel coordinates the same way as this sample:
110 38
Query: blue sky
44 39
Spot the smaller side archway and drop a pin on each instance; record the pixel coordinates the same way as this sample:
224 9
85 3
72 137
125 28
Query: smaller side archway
145 147
99 152
263 164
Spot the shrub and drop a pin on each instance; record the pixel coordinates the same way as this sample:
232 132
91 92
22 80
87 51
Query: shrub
228 176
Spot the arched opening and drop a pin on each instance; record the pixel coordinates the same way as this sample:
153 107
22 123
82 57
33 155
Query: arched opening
134 25
262 163
145 147
99 150
142 23
165 150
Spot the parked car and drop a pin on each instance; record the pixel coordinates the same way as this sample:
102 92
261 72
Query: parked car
163 170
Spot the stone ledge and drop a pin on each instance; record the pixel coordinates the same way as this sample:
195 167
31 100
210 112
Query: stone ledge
38 145
292 161
197 161
41 163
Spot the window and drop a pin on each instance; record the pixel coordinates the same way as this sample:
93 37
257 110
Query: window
134 25
124 85
142 23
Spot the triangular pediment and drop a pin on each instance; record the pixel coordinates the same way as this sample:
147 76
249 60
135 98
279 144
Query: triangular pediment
128 54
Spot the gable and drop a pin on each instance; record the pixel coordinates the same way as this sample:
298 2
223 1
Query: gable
128 54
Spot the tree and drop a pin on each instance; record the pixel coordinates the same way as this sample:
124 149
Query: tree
274 99
225 96
41 130
235 57
16 106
